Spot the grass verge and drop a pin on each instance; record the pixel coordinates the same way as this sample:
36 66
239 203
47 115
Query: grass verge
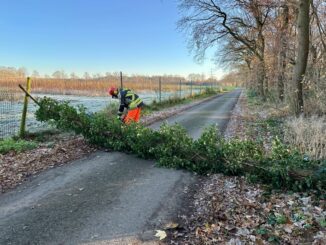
18 146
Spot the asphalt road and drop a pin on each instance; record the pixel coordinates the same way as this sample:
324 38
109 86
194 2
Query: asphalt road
216 111
106 195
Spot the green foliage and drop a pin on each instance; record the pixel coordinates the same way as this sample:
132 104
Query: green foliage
237 152
270 126
9 144
175 147
228 88
209 155
277 219
281 219
322 222
172 147
274 239
262 231
287 167
253 98
142 141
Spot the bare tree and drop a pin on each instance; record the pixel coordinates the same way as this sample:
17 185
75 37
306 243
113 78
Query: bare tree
283 43
86 76
56 74
60 74
73 75
302 55
194 77
213 22
22 71
35 74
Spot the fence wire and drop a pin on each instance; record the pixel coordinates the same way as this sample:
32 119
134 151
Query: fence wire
10 112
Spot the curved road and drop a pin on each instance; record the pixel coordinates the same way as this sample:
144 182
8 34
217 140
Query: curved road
106 195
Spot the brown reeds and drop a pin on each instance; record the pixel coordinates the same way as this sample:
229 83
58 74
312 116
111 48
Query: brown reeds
91 87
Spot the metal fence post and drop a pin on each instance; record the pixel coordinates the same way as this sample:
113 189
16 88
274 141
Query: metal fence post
23 121
190 88
180 91
160 88
121 84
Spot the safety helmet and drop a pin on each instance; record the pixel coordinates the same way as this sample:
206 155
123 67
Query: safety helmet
113 91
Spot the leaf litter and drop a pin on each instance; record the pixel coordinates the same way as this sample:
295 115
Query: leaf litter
229 210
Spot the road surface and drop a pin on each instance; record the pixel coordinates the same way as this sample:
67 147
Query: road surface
106 195
215 111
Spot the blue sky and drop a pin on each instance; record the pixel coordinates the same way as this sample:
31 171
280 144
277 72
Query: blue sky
134 36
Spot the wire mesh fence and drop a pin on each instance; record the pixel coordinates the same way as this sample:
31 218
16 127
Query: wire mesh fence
10 112
91 93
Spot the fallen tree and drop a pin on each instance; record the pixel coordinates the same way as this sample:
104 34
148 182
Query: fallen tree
170 146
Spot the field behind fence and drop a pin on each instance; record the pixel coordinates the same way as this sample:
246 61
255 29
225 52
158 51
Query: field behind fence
93 86
92 93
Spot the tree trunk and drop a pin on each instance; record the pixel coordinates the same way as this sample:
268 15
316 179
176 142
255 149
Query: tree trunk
302 55
263 89
283 49
261 79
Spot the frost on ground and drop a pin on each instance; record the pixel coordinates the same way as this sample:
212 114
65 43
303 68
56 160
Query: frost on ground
229 210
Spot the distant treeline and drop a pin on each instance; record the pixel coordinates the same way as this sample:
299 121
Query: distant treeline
97 84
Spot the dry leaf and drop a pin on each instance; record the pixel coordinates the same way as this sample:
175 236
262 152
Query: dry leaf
160 234
288 228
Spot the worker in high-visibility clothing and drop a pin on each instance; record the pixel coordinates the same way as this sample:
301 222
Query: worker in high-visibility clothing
128 100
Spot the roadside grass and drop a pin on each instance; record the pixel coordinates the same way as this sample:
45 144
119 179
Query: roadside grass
227 88
32 140
263 130
18 145
305 134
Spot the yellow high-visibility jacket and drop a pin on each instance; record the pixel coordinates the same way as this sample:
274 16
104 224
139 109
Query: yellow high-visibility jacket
129 100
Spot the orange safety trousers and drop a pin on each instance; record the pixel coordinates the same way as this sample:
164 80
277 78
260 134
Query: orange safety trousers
132 116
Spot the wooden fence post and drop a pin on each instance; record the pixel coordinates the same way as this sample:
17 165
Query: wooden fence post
24 114
121 84
160 88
